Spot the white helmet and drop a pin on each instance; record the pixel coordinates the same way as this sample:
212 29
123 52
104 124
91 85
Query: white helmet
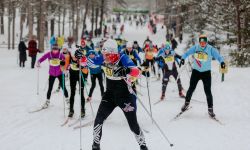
110 46
129 44
65 46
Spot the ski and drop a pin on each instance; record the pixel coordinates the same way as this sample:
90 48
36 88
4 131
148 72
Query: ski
180 113
74 123
65 122
157 102
84 125
37 110
216 120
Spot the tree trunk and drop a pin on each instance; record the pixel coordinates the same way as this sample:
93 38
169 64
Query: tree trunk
73 18
96 20
92 18
30 19
13 25
64 14
42 25
59 21
238 25
1 17
9 22
77 19
178 21
22 20
84 18
102 13
52 27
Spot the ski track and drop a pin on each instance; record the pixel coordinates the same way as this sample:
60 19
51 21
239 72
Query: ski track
194 130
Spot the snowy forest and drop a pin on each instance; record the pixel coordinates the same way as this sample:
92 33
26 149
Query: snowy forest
124 74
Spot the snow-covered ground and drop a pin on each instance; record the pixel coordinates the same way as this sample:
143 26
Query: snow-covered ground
20 130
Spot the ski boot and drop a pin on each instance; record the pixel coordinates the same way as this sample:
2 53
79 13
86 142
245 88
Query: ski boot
96 147
46 104
185 106
162 97
143 147
71 113
181 94
211 112
83 113
89 99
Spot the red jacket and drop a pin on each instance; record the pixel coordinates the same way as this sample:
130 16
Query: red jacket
32 47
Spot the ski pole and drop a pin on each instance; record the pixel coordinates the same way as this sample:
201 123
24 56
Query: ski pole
37 90
149 100
148 113
63 88
90 103
80 91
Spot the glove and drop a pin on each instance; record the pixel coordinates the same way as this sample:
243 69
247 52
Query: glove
62 63
78 54
182 62
38 64
121 71
222 65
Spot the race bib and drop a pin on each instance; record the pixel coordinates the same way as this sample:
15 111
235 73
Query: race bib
201 56
73 66
108 71
54 62
131 57
150 54
169 59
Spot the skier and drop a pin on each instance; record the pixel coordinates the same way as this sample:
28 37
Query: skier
203 53
150 52
137 47
22 53
77 58
67 56
56 64
133 55
33 50
169 68
94 63
119 69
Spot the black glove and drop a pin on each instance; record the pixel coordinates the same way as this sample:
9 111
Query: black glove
222 65
62 62
182 62
78 54
121 71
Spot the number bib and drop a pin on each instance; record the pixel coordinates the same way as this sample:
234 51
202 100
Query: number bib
54 62
169 59
108 71
131 57
73 66
201 56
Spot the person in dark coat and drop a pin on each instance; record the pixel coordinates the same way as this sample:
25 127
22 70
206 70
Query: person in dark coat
32 47
22 53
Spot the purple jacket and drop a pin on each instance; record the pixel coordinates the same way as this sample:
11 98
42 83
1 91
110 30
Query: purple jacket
54 70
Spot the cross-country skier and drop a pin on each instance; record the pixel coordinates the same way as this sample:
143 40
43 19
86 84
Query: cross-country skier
56 68
78 58
95 62
137 47
169 68
119 71
203 54
133 55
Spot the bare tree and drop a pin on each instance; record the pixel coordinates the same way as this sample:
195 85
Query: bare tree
1 16
13 24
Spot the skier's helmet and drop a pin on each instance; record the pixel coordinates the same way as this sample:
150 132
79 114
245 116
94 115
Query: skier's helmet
110 51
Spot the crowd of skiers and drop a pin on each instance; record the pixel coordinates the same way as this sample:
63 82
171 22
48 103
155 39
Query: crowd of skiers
121 62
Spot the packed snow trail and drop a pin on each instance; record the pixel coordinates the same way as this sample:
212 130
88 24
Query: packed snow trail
194 130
